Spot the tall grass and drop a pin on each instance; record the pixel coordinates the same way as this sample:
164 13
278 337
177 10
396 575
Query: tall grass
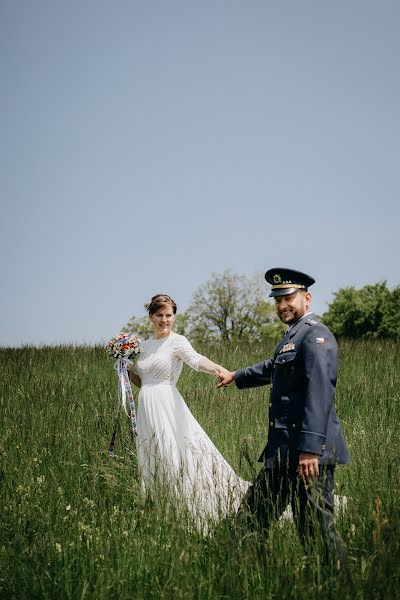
73 522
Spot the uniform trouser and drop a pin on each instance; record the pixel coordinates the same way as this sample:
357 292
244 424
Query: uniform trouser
312 505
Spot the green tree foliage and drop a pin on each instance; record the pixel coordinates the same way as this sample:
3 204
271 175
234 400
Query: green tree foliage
391 317
370 312
143 327
231 307
227 307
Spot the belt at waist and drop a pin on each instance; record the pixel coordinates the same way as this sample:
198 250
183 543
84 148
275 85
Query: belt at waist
282 424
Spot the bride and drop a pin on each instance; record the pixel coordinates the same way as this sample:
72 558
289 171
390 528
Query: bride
174 452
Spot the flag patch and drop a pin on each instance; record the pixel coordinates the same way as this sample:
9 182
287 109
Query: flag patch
320 340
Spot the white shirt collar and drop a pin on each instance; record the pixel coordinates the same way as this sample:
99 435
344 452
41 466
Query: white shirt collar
293 324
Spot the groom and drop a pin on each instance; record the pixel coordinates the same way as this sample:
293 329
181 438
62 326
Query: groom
305 440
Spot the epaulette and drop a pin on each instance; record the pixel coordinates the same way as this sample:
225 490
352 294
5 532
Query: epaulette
312 322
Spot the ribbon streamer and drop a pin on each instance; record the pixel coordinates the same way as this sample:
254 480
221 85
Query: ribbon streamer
124 390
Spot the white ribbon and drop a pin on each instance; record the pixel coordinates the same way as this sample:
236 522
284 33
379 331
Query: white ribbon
125 390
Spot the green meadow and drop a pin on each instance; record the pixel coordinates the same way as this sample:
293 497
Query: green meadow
74 524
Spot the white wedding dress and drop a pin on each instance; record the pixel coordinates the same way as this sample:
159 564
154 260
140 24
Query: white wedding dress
174 452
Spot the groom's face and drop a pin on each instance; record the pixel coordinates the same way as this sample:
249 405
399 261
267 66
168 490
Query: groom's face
292 307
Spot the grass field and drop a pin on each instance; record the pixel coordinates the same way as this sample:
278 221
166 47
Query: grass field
73 524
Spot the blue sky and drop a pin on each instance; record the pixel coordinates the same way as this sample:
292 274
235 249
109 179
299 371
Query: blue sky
145 145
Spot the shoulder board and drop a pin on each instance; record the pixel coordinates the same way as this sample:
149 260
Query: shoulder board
312 322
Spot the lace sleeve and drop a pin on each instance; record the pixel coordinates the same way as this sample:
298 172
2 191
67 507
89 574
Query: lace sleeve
184 350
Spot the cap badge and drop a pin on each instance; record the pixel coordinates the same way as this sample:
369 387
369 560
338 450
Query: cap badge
277 278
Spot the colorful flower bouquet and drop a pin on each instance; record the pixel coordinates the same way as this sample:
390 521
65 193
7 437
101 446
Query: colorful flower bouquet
124 347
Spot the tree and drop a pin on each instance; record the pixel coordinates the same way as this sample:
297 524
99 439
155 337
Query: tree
227 307
141 327
390 325
144 328
372 311
232 307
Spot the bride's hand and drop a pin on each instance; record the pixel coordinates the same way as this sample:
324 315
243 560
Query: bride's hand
225 377
134 378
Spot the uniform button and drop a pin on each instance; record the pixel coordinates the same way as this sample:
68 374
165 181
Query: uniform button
271 423
323 447
270 404
283 360
294 425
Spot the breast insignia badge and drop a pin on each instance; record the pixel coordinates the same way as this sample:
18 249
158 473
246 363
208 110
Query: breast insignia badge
287 347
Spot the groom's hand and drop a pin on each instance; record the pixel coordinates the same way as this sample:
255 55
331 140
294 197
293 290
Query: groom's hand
225 377
308 465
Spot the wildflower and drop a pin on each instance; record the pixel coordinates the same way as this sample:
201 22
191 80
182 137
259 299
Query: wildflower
58 548
68 507
184 557
89 502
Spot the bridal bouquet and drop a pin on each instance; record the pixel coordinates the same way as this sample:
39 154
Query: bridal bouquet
124 347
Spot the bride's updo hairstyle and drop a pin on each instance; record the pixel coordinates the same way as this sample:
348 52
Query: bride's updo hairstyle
159 301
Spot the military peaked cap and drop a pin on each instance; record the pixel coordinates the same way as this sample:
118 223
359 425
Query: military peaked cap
287 281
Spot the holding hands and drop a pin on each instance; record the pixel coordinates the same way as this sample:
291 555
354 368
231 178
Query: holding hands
225 377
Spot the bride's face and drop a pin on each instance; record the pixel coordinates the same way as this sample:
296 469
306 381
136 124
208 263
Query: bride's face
163 321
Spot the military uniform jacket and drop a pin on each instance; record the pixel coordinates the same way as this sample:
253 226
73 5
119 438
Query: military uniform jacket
302 374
